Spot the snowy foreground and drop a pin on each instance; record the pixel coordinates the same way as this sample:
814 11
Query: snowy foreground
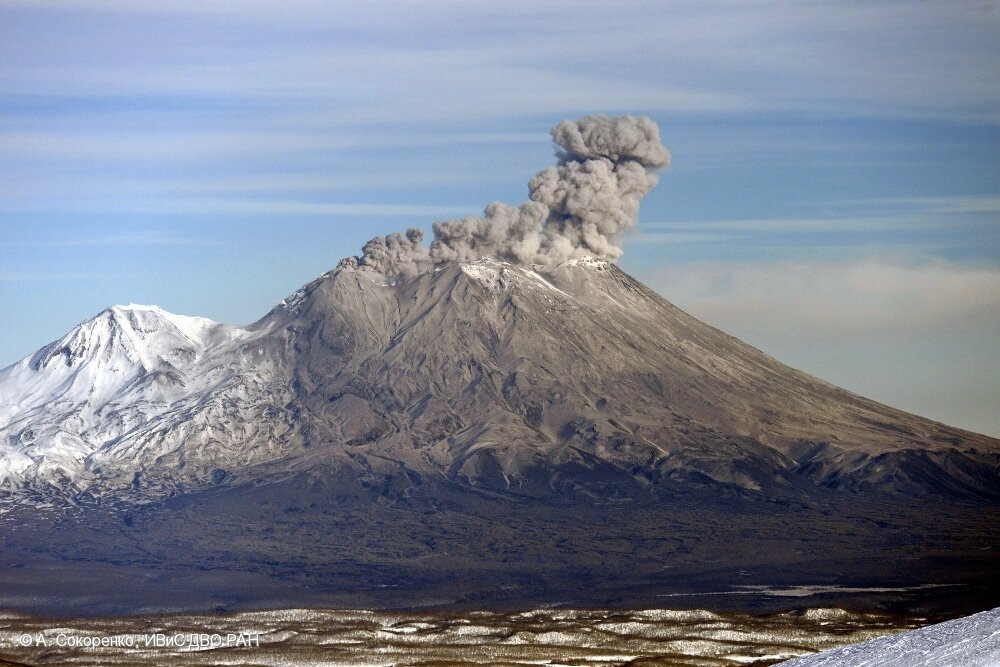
693 638
605 638
973 641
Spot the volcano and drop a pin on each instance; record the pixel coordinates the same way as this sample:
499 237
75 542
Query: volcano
484 433
503 418
571 381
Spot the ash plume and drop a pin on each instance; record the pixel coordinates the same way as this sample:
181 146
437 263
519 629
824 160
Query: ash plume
393 255
576 208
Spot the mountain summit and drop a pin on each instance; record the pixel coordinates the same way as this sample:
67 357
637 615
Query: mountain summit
536 381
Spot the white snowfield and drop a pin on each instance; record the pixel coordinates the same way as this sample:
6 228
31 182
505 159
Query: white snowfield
973 641
129 387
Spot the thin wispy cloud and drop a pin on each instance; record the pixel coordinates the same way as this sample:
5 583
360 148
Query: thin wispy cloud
158 145
791 225
58 237
15 277
80 192
427 60
201 207
850 299
932 221
308 208
960 204
139 238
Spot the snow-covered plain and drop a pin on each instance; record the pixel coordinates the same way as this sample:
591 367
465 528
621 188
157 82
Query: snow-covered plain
341 638
973 641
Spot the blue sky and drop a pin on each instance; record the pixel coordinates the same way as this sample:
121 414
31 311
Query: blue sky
834 196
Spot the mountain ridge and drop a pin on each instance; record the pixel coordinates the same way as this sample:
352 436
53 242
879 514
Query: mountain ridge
497 374
487 435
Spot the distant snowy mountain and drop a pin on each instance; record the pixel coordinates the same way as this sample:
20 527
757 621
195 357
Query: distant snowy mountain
973 641
121 389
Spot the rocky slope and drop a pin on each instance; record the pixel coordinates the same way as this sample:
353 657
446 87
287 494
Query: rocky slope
531 381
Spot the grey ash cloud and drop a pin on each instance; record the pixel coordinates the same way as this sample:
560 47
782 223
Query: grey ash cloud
577 207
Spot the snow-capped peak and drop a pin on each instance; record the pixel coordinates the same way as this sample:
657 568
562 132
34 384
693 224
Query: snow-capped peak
483 271
195 329
586 261
105 377
122 337
496 275
91 364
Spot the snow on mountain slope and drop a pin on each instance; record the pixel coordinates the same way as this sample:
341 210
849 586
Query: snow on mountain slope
94 361
973 641
108 378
